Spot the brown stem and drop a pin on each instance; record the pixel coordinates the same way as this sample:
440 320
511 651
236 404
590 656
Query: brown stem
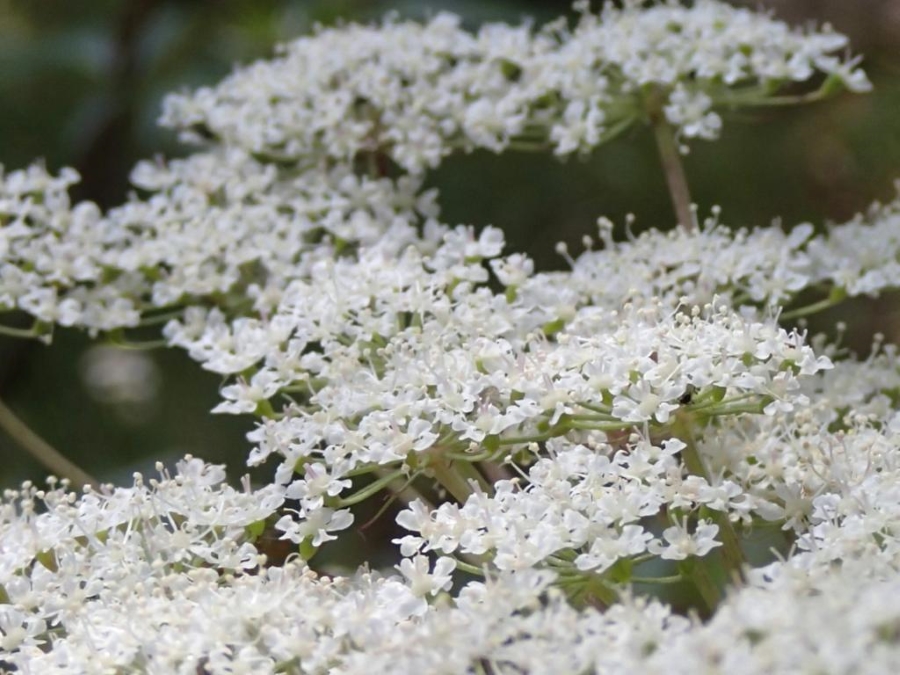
670 156
42 451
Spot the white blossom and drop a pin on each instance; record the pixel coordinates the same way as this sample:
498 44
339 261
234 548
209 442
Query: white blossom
555 447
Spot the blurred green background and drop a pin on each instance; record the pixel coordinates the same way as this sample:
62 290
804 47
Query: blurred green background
81 83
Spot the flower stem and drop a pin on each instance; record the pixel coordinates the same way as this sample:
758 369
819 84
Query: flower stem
676 179
402 491
495 472
588 590
42 451
451 480
371 489
470 473
698 573
27 333
463 566
815 307
732 555
673 579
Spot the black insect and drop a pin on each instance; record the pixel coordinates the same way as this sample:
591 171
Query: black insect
688 396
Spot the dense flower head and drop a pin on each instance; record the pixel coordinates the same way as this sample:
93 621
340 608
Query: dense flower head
417 91
223 233
208 226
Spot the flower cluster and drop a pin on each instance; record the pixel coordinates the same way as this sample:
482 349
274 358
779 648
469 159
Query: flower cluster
557 443
223 232
417 92
213 226
124 584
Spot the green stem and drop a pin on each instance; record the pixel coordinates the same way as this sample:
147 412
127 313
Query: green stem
122 343
470 472
567 554
495 472
603 410
42 451
691 457
156 319
27 333
471 569
602 592
599 426
757 100
451 480
700 405
370 489
800 312
673 579
404 492
616 129
698 573
589 589
264 409
470 457
753 407
526 146
598 417
732 555
522 440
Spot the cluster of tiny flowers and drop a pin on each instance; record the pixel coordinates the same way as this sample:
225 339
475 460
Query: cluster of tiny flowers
556 441
106 583
416 92
592 501
210 226
763 267
391 367
229 235
838 445
67 555
287 619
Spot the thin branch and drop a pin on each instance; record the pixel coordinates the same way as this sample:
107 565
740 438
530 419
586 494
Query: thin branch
675 176
42 451
26 333
670 156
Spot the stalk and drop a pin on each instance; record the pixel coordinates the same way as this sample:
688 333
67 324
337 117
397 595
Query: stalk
42 451
698 573
732 555
451 480
673 169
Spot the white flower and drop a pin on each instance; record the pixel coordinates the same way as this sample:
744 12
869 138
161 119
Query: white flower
681 544
244 397
690 112
536 434
422 580
314 525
